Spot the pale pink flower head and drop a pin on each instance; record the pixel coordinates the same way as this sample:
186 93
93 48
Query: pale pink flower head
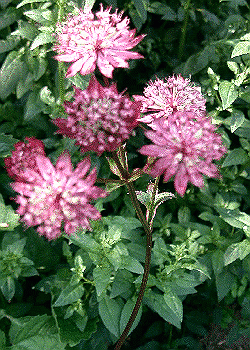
23 157
99 118
163 98
102 40
58 194
184 149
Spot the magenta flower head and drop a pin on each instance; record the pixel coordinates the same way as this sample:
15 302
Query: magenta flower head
184 149
24 157
99 118
102 39
165 97
58 194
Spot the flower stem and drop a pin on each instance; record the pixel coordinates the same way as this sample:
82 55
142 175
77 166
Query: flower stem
184 30
137 207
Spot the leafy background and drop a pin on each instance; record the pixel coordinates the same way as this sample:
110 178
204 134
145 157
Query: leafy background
78 292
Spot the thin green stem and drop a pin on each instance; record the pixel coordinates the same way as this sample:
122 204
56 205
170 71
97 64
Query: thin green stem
125 174
61 73
184 30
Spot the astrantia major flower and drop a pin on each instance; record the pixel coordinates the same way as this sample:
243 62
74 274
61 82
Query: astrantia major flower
23 157
102 39
99 118
58 194
184 149
165 97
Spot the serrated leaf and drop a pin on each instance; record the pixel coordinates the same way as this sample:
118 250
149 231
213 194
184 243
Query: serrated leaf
2 340
110 313
40 342
101 277
235 217
12 70
174 302
237 251
126 313
235 157
41 39
34 106
228 93
132 264
224 283
8 288
69 295
123 282
9 44
237 120
26 30
157 303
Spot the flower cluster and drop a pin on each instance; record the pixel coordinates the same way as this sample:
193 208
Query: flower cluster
50 196
99 118
163 98
102 39
23 157
185 142
185 149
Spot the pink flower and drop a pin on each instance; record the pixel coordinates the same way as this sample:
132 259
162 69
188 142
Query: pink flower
184 149
163 98
58 194
102 40
24 157
99 118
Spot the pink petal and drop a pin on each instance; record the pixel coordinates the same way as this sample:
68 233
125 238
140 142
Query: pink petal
64 164
46 168
181 180
68 57
104 66
76 67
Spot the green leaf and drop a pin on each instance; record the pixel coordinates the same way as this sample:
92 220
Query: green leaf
237 120
101 277
141 8
228 93
174 302
8 16
42 16
123 283
218 261
132 265
80 81
110 313
9 44
26 30
6 144
40 342
41 39
126 313
242 48
237 251
235 157
224 283
8 218
234 217
69 295
162 9
25 2
4 3
2 340
8 288
34 106
12 70
157 303
184 215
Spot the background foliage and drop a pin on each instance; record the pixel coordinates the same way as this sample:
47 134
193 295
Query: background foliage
78 292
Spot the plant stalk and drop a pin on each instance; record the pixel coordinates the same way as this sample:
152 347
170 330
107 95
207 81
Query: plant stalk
147 229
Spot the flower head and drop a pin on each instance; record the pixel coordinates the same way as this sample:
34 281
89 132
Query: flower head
163 98
24 157
58 194
99 118
184 149
102 40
